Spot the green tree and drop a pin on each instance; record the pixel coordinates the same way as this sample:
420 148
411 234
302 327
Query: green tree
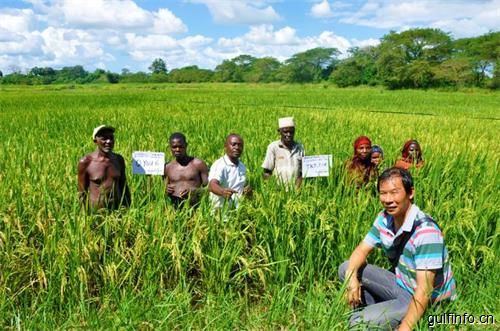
227 71
454 72
406 59
495 82
190 74
483 52
75 74
264 70
112 77
158 66
312 65
358 68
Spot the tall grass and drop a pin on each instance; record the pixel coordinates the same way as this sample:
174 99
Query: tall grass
273 265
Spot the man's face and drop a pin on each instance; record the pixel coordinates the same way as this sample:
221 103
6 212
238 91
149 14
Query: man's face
287 134
394 197
234 147
178 148
105 141
363 151
376 158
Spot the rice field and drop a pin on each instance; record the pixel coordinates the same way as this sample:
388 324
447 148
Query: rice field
273 265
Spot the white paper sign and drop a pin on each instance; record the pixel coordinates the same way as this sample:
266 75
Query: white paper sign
316 165
148 163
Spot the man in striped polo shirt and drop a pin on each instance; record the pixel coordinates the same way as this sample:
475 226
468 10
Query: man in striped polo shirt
415 246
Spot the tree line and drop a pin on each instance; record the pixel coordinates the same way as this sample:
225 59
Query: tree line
416 58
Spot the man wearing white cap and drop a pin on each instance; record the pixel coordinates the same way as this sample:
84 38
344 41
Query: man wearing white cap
101 174
284 156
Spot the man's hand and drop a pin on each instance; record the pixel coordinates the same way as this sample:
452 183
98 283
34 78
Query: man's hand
247 190
170 188
228 192
183 193
354 293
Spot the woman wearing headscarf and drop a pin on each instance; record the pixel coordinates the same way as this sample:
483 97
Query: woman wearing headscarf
360 168
411 154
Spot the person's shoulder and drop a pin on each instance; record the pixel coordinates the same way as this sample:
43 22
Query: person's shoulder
427 227
401 163
274 144
199 162
170 163
219 163
381 219
119 157
85 160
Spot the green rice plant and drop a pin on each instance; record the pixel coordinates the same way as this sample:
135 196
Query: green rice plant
273 263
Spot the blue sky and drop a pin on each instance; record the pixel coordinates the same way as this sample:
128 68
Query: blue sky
116 34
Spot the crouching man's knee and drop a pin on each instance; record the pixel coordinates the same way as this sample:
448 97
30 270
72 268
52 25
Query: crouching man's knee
343 270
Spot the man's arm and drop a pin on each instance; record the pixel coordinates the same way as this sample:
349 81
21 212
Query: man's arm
83 180
268 164
170 187
215 188
420 301
298 181
126 200
203 169
356 261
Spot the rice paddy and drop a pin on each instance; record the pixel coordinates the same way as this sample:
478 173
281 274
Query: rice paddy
273 265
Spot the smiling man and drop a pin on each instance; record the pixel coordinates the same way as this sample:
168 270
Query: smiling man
227 177
284 156
184 176
414 244
102 181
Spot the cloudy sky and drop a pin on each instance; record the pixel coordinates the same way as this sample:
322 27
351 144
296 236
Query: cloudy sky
116 34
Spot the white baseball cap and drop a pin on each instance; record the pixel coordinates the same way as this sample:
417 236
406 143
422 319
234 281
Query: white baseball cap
101 128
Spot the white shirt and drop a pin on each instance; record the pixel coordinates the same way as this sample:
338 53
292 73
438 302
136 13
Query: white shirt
285 164
229 175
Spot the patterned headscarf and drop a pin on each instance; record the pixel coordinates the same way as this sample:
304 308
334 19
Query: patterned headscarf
377 149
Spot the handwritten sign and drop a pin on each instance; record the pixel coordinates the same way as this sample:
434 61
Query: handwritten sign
316 165
148 163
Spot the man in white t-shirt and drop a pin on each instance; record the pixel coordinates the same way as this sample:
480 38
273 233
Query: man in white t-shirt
284 156
227 177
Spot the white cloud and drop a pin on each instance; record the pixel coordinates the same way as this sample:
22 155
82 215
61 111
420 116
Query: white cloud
70 45
240 11
164 21
17 20
365 42
30 44
124 15
321 9
263 35
461 18
263 41
177 53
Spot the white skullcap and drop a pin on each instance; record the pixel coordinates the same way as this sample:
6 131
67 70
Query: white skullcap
286 122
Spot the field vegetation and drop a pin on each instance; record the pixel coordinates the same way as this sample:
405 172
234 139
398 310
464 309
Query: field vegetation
273 265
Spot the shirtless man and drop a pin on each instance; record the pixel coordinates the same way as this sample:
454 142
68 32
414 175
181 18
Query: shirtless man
185 176
102 181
